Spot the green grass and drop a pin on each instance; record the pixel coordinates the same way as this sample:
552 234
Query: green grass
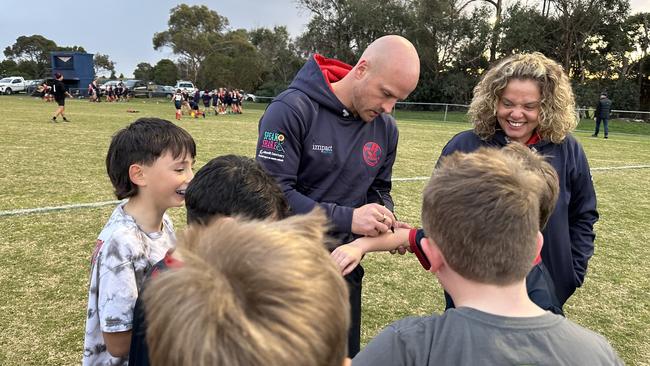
44 258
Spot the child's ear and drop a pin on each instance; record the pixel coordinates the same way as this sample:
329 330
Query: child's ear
540 242
136 175
433 254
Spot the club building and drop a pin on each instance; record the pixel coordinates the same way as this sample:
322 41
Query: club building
78 70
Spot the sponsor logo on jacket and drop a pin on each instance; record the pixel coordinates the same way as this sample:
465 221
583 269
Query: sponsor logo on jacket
271 146
325 149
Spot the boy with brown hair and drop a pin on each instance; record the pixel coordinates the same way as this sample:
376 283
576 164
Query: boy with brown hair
250 293
228 185
150 163
539 283
481 213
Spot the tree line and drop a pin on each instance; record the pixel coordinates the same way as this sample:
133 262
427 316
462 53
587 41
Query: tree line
601 45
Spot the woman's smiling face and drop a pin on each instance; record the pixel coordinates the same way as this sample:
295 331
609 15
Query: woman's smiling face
518 109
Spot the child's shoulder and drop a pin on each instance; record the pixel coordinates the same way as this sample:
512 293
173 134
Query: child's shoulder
119 235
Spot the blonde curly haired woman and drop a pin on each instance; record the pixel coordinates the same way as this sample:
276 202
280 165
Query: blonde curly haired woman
528 98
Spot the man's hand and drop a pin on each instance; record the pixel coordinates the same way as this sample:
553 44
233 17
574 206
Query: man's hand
371 220
347 256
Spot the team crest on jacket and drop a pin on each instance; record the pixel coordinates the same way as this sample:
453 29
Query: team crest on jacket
371 153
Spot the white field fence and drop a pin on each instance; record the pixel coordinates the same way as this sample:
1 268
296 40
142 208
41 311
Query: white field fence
458 112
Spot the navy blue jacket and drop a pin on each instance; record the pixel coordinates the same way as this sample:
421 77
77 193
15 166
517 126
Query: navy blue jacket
320 153
569 234
603 108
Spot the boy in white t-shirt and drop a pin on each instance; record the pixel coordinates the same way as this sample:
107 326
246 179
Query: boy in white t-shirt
150 163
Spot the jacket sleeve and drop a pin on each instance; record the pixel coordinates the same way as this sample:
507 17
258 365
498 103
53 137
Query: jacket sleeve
582 214
283 162
382 184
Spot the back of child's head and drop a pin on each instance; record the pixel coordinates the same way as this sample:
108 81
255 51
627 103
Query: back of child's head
250 293
536 163
232 185
482 211
142 142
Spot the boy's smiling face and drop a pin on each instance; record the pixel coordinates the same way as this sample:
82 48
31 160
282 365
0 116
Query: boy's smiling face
167 179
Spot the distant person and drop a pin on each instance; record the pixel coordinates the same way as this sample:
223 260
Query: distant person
150 163
528 98
236 102
177 99
603 109
119 88
206 98
186 101
46 91
110 94
330 141
93 91
481 246
59 93
215 101
240 99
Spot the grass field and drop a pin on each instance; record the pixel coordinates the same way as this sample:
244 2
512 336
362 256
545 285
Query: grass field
44 258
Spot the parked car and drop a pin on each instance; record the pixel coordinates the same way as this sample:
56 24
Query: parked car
152 91
13 84
33 85
105 86
185 85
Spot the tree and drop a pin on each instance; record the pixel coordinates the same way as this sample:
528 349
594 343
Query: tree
344 28
525 29
165 72
34 48
496 28
450 43
238 65
71 49
579 22
143 71
638 31
194 33
8 67
103 64
32 54
280 59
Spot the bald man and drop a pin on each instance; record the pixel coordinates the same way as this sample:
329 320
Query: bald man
330 141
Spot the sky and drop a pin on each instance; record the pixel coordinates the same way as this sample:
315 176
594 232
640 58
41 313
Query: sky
124 29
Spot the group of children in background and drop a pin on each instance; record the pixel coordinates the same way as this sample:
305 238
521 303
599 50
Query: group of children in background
248 285
119 93
223 101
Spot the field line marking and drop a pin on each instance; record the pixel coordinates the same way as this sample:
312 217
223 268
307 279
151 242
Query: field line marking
620 167
601 169
27 211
